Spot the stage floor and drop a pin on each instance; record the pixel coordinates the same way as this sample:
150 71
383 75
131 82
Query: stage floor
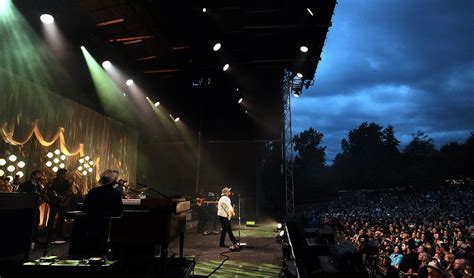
260 258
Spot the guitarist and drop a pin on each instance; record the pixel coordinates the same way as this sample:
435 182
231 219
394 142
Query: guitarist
225 211
59 193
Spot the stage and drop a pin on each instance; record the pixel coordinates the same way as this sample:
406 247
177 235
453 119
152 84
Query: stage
260 258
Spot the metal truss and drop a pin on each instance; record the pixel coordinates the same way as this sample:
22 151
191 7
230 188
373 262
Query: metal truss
287 146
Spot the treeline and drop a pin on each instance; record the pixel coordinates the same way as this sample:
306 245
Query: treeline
372 158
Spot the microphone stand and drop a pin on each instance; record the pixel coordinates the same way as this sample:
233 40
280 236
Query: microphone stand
152 190
240 243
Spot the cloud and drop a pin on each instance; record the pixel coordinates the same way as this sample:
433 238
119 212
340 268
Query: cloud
409 64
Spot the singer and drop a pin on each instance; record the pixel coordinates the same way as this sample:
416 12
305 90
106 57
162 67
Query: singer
225 211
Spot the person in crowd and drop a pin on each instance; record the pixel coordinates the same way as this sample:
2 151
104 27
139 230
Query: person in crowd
396 256
102 203
5 185
59 192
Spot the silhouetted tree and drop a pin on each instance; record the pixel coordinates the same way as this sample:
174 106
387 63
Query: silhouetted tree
418 161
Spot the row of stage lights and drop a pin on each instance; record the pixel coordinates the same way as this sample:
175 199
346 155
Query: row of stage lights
56 161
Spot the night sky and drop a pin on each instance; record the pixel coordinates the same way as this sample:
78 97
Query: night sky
405 63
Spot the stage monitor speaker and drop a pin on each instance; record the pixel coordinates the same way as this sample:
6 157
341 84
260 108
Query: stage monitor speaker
17 214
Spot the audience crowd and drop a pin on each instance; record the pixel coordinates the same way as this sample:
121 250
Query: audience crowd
408 232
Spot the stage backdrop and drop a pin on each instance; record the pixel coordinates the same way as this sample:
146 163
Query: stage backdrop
35 123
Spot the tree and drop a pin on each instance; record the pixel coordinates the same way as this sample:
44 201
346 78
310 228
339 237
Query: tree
418 161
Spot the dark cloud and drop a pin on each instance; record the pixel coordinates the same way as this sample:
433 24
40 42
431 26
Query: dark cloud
405 63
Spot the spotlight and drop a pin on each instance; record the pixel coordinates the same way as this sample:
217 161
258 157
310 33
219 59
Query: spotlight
2 173
217 46
79 168
12 158
147 98
21 164
47 18
83 47
177 119
204 10
55 169
62 165
2 162
11 168
309 11
20 174
246 112
157 104
282 233
304 49
56 160
240 100
106 64
297 93
129 82
87 158
57 152
84 173
49 164
49 155
63 157
279 226
226 67
299 74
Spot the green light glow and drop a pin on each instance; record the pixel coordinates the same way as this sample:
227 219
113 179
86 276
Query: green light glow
110 95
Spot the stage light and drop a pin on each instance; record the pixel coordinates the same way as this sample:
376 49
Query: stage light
129 82
177 119
62 165
20 174
12 158
2 173
217 46
21 164
91 162
304 49
11 168
309 11
246 112
240 100
86 165
83 47
90 170
81 160
226 67
87 158
56 160
237 89
2 162
282 233
49 164
297 94
279 226
57 152
157 104
79 168
204 10
47 18
299 74
106 64
63 157
55 169
49 155
84 173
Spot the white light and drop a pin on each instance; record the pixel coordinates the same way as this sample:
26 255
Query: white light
56 160
240 100
300 75
57 152
237 89
157 104
20 174
309 11
2 173
129 82
282 233
84 173
49 163
217 46
21 164
83 47
79 168
2 162
87 158
246 112
91 162
11 168
10 178
12 158
81 160
63 157
86 165
47 18
304 49
106 64
90 170
204 10
50 155
226 67
61 165
279 226
296 94
177 119
55 169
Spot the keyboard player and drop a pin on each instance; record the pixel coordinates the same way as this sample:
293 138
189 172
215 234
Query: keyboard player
101 203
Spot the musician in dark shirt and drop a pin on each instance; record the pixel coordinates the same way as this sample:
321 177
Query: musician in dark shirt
100 204
59 193
34 185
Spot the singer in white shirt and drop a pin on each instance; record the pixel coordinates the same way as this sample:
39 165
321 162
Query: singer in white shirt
225 211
